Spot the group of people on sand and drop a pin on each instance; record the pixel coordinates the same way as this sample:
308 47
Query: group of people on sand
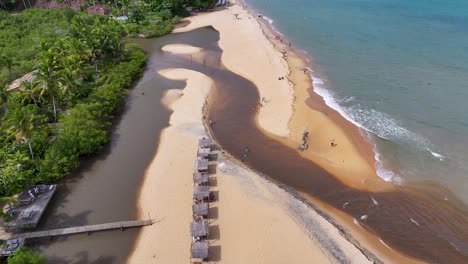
257 106
260 104
278 37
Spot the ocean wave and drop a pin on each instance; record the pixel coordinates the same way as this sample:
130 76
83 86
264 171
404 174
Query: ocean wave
269 20
437 155
347 100
386 175
383 243
414 221
356 222
375 123
320 89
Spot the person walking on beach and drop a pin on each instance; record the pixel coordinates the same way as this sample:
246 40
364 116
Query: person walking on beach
333 144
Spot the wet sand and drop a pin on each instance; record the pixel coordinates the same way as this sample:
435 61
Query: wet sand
252 51
252 219
353 194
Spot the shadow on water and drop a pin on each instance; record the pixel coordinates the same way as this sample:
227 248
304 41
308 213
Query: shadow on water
105 187
441 233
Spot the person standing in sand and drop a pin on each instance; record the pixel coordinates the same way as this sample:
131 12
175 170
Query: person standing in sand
332 143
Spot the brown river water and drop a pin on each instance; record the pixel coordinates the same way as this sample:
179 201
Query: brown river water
105 188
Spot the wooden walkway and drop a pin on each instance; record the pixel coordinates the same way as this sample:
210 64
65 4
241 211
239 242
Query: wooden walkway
85 229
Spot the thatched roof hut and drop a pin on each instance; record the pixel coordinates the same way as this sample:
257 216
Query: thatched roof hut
205 143
201 192
201 165
204 152
200 178
199 230
200 210
17 83
200 251
13 245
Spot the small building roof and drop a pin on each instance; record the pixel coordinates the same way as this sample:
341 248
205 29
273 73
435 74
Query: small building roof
17 83
203 152
205 143
200 192
201 164
12 246
199 229
200 209
200 178
200 249
33 204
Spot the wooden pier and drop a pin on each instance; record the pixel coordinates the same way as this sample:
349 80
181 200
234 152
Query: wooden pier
84 229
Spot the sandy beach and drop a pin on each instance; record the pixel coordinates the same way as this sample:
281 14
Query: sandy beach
253 220
249 49
258 56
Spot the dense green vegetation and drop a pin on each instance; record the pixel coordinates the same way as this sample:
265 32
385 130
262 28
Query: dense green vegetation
82 68
147 18
27 256
151 18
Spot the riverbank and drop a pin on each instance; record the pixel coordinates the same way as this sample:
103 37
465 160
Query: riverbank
251 49
250 213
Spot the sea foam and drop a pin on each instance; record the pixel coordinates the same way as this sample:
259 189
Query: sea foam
329 99
269 20
437 155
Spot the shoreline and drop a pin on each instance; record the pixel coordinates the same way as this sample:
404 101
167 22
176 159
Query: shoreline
358 148
316 239
358 174
167 190
307 103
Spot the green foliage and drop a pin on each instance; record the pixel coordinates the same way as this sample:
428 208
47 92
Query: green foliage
82 71
150 30
154 18
202 4
21 34
27 256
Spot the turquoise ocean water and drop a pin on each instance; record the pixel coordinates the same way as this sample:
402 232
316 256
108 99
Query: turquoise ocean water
398 69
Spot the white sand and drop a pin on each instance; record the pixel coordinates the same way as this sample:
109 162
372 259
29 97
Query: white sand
249 53
255 221
245 37
166 194
181 49
261 223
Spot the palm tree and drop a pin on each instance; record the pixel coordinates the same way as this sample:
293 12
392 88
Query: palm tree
125 5
21 122
47 72
30 92
10 200
8 61
3 96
